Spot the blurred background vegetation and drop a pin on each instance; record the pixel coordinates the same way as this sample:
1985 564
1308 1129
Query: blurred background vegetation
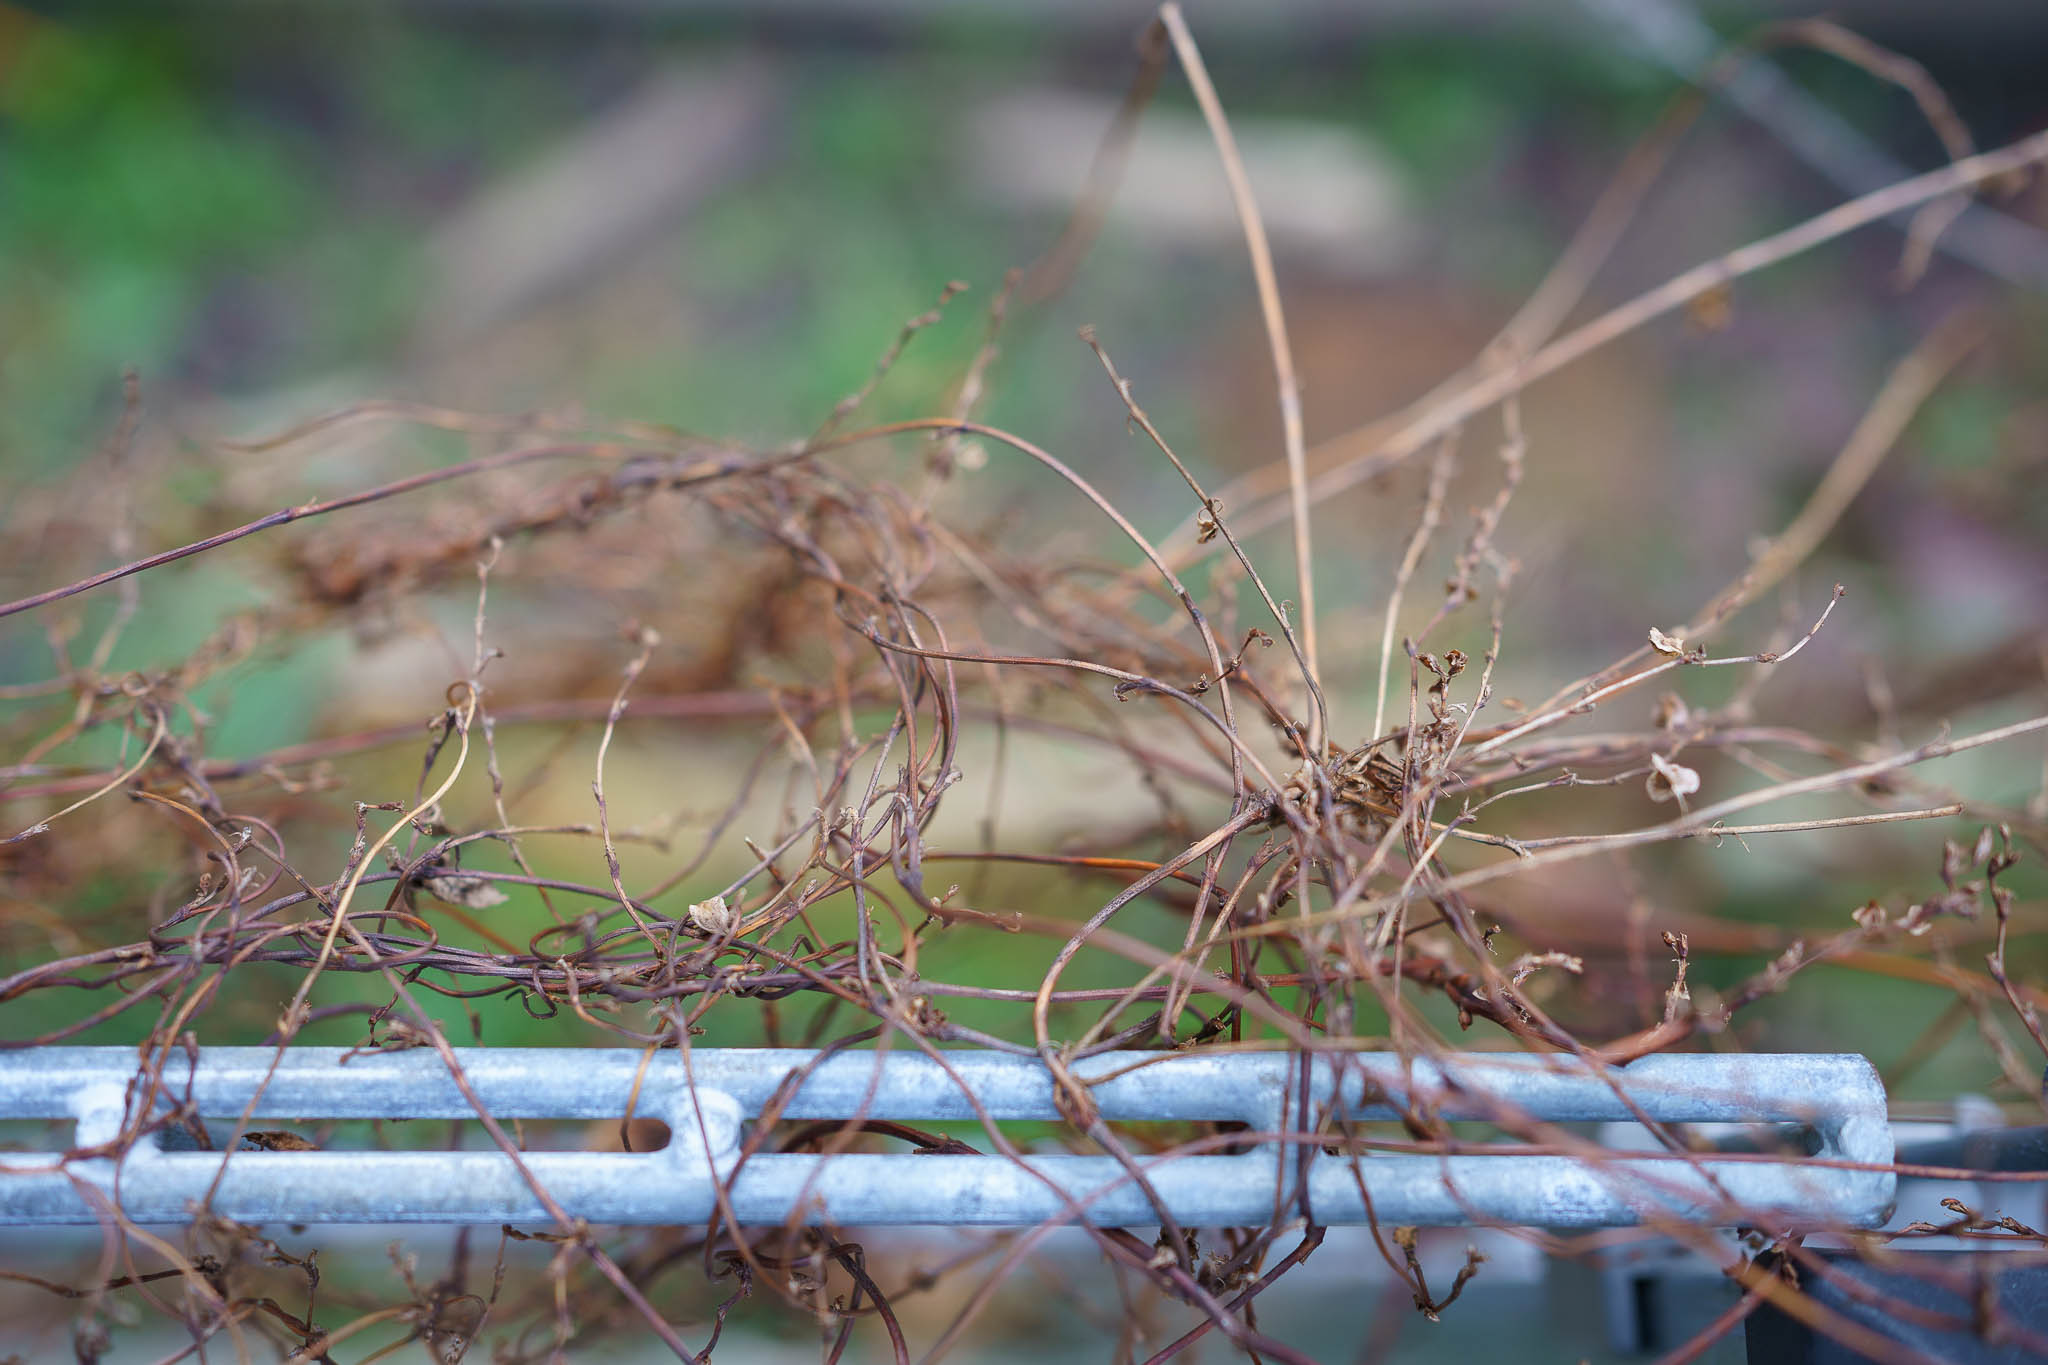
715 217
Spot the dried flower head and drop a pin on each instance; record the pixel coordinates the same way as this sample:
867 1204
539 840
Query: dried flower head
1671 781
714 917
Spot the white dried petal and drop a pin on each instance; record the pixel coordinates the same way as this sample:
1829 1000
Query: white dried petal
1528 963
1666 644
465 889
1671 780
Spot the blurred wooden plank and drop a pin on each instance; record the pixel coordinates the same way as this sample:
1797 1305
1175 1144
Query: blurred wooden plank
597 194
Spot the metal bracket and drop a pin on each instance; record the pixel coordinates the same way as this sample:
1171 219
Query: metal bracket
707 1096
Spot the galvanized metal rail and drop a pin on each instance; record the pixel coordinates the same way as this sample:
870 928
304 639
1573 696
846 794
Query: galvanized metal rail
708 1097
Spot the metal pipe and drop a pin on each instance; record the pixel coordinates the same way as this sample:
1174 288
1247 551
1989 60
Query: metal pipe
708 1096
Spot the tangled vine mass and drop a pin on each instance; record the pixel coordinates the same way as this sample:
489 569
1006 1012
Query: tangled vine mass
1303 853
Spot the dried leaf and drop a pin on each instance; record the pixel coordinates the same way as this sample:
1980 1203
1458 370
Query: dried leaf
1666 644
277 1140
